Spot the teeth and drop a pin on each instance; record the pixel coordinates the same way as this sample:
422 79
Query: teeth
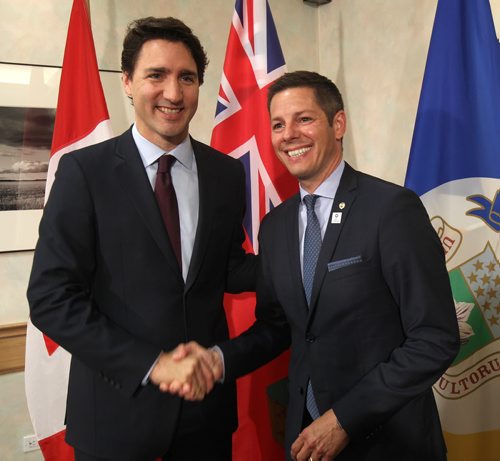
297 152
166 110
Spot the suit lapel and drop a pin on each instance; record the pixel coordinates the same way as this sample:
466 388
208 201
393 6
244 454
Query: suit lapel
207 184
292 232
343 202
130 172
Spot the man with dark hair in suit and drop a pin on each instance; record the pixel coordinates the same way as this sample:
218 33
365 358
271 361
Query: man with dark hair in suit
141 236
353 276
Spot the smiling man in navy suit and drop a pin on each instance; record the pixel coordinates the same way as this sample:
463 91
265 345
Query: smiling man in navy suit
114 287
353 276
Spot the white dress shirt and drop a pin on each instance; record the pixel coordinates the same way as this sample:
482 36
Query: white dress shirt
326 195
185 180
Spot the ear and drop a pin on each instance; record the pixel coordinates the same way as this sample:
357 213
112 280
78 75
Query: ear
339 124
127 84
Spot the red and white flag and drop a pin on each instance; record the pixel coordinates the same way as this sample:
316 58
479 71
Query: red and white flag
242 129
81 120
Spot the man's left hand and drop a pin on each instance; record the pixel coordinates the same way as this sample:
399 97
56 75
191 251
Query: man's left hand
322 440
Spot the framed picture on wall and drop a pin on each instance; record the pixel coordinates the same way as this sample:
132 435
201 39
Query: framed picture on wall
28 97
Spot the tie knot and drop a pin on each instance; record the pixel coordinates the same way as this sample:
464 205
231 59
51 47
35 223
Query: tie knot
165 163
310 201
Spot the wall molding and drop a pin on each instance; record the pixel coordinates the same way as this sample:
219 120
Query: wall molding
12 347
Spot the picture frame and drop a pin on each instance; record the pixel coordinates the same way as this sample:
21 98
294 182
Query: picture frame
28 98
35 89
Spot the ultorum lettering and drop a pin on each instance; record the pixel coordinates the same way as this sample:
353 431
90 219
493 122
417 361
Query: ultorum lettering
458 386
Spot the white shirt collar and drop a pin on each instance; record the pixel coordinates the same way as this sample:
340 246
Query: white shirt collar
328 188
150 152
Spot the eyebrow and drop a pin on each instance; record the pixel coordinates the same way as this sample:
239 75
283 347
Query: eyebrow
295 114
189 72
162 70
166 70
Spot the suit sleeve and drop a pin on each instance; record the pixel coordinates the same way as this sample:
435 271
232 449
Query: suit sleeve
414 270
61 285
268 336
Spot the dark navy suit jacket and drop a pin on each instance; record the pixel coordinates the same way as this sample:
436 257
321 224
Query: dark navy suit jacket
381 328
106 286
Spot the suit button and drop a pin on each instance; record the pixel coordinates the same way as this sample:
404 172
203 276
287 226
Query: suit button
310 338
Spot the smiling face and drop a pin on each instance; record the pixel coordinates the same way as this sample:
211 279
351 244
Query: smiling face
164 89
303 139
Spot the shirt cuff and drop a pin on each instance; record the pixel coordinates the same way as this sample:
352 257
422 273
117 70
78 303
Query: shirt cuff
145 381
221 355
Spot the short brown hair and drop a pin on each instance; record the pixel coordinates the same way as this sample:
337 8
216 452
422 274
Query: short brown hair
326 92
170 29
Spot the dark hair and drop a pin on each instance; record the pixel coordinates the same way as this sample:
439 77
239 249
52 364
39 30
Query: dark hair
326 92
171 29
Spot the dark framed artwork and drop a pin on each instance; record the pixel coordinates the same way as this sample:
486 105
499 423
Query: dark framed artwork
28 97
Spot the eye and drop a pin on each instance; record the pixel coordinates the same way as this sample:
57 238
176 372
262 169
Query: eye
189 78
277 126
305 119
154 76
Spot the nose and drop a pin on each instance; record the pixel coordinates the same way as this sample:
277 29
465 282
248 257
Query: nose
172 91
289 132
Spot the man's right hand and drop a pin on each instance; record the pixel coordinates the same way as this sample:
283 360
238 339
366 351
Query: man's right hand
186 371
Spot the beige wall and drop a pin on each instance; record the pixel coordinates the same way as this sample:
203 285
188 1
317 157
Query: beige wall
376 51
378 54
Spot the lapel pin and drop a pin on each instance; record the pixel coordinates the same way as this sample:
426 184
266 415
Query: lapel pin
336 217
342 205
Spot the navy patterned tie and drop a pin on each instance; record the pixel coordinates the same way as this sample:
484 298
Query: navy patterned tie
167 202
312 247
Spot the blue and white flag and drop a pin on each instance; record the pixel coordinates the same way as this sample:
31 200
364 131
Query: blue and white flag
455 167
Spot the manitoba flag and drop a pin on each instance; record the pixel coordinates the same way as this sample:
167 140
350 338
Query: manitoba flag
242 129
81 119
455 167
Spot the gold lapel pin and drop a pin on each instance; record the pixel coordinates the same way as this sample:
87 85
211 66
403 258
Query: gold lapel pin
341 205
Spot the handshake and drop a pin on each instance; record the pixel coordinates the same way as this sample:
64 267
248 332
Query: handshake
189 371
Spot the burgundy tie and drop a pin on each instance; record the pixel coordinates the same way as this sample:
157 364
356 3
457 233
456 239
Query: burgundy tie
167 201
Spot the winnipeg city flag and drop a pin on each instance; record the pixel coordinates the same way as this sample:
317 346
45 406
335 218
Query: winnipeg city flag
81 119
455 167
242 129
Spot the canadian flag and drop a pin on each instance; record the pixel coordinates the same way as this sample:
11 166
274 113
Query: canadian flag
81 120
